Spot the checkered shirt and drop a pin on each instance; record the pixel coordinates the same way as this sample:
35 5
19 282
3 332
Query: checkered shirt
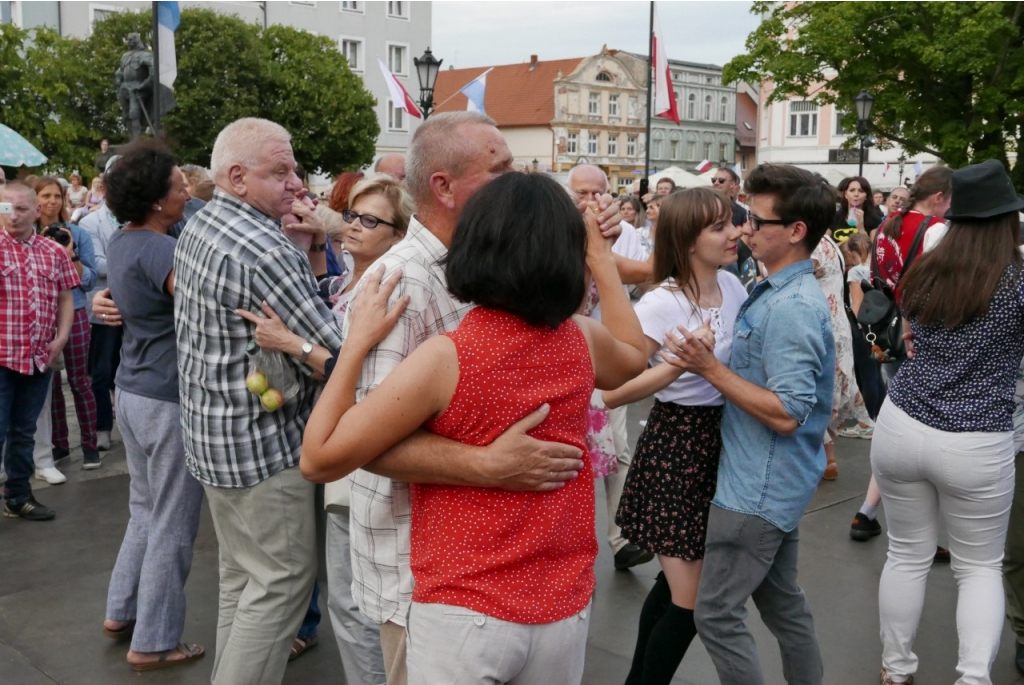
380 509
32 274
231 256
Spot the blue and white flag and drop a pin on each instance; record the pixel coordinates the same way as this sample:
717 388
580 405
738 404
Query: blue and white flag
918 167
168 17
474 92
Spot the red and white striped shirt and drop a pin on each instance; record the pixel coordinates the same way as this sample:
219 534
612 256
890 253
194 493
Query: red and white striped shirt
32 274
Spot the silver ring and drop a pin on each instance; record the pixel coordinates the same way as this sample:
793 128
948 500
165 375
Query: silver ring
103 316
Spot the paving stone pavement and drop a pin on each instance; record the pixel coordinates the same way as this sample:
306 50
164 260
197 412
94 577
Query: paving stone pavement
54 575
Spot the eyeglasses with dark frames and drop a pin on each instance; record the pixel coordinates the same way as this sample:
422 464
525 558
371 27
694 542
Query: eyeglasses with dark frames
757 222
367 220
719 180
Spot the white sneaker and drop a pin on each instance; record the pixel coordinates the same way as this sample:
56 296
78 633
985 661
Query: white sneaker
103 441
51 475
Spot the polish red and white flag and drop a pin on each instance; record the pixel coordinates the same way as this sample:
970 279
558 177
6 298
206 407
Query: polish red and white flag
665 105
704 166
399 96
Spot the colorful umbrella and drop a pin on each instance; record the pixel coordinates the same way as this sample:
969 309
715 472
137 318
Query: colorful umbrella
16 151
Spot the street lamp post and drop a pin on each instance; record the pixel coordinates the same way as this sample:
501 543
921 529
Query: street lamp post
863 102
427 67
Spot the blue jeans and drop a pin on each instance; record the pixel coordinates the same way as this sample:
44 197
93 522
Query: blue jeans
21 400
104 357
311 623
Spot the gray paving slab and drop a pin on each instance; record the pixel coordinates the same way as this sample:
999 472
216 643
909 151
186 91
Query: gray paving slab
54 575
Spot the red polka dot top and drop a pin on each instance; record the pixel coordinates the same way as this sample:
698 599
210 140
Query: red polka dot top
518 556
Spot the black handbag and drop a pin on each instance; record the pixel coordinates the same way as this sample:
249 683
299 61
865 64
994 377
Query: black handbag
879 318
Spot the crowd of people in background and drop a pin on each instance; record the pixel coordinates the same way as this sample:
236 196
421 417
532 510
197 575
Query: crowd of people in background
449 346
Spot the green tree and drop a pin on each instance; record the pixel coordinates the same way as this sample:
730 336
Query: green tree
947 77
310 90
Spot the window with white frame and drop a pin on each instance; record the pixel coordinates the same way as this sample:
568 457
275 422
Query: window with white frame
691 106
613 105
397 9
352 49
631 146
398 59
572 143
691 149
100 12
595 104
673 149
803 119
707 151
613 146
707 108
656 147
840 130
592 143
603 77
624 184
723 109
723 151
397 120
351 6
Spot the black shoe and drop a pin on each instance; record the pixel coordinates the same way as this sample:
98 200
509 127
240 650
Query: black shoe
60 454
630 556
941 555
28 509
864 528
91 460
1019 660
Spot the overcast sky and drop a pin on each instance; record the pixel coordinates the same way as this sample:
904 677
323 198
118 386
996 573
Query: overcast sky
472 34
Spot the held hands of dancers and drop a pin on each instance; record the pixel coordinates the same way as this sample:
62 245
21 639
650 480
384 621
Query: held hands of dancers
693 352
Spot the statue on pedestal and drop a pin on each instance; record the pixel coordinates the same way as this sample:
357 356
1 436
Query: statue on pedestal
135 87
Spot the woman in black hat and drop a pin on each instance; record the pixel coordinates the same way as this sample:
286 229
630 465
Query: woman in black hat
943 444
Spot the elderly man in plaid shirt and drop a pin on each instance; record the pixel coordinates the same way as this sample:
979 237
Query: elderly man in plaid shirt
36 313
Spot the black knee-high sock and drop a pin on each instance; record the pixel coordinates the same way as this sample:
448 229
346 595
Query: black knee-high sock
654 607
667 645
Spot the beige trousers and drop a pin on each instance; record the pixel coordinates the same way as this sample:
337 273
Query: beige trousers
267 544
392 642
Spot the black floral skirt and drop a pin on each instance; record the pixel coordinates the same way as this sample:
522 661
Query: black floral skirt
668 491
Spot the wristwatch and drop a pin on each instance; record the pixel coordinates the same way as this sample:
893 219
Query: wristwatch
76 258
322 247
307 347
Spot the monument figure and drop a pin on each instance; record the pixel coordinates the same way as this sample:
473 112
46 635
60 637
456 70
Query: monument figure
135 86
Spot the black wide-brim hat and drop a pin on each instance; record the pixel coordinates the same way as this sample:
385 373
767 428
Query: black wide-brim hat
982 191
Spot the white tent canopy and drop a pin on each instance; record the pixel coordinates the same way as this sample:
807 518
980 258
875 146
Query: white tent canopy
682 178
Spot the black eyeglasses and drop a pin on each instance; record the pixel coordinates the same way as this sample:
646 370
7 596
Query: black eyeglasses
757 222
719 180
367 220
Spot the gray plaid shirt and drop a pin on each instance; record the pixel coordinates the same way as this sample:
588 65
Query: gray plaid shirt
231 256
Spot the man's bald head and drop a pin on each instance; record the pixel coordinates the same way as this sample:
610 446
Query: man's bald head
587 182
392 164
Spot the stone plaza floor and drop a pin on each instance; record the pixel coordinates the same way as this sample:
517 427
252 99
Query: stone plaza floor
54 575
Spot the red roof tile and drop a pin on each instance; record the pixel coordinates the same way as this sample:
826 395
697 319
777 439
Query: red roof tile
516 95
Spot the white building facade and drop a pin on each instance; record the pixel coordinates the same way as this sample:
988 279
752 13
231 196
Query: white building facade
395 31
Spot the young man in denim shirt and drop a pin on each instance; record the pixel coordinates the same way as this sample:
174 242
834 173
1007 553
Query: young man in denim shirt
778 390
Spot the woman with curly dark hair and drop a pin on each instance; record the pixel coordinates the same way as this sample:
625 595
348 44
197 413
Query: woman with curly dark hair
146 597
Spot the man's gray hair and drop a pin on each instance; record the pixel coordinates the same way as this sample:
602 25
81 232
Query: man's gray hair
437 146
243 142
581 167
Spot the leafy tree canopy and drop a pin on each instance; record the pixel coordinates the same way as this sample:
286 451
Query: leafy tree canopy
947 77
59 92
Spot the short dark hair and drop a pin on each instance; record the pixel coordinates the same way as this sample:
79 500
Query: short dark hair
665 180
732 173
520 246
798 195
138 179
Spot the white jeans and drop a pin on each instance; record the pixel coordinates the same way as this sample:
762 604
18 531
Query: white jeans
967 480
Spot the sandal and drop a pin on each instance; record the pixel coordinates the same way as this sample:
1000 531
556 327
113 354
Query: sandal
119 633
831 471
884 679
301 646
857 431
189 652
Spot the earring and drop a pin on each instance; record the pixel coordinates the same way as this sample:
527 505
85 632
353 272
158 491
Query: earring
157 208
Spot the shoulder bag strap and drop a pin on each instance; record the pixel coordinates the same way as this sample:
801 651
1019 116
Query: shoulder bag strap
921 230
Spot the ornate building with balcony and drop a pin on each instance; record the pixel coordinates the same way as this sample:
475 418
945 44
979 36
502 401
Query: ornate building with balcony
600 116
707 113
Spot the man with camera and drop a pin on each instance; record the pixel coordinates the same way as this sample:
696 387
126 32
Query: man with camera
36 313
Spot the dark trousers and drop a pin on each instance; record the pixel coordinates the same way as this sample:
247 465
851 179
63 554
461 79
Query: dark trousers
21 400
104 358
868 373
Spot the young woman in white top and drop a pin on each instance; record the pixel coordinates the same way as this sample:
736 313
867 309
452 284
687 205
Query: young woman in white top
668 491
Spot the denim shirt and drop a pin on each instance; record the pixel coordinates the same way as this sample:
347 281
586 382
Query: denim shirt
782 341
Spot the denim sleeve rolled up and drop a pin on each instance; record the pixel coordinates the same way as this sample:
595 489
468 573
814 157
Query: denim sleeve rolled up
782 342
